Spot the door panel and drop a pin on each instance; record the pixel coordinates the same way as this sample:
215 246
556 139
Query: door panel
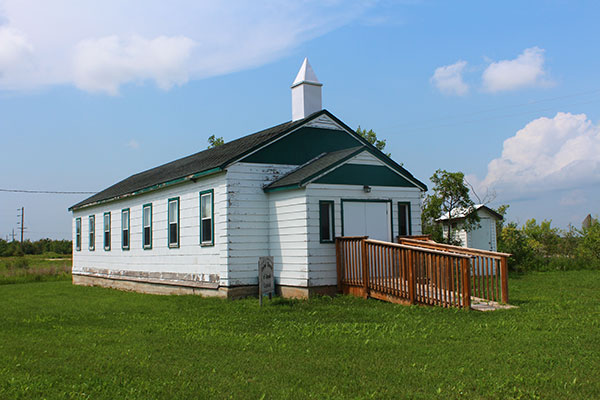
371 219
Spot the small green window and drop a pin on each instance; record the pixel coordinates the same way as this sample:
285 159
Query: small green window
173 221
147 226
78 234
107 231
125 229
326 221
207 218
404 225
92 230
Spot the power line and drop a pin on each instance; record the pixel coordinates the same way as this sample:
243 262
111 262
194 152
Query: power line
43 191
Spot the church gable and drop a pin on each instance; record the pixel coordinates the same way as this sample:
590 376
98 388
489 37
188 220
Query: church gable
303 145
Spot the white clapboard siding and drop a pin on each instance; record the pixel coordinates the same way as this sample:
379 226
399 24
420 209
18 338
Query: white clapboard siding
365 158
288 236
324 122
249 219
321 256
189 258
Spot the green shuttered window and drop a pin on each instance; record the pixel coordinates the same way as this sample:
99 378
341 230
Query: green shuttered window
125 229
147 226
173 217
92 232
207 218
78 234
107 231
326 222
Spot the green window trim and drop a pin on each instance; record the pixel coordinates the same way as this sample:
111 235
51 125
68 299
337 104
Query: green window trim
211 242
330 221
125 233
78 234
408 217
92 232
106 231
173 244
149 245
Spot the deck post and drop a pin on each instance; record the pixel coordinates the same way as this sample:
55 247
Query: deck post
365 267
338 264
466 283
412 280
504 272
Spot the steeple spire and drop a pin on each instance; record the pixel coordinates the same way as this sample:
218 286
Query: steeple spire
306 92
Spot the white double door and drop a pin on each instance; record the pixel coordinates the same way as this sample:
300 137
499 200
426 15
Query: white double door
368 218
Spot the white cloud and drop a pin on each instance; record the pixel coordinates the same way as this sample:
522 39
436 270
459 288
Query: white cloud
106 63
448 79
133 144
15 54
527 70
100 46
548 154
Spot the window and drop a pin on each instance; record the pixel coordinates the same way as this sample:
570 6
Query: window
404 226
107 231
206 218
174 222
147 226
326 231
125 229
78 234
92 220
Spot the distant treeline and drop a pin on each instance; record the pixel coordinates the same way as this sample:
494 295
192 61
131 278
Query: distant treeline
8 249
542 247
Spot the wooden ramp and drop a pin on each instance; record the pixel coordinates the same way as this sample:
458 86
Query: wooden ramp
417 271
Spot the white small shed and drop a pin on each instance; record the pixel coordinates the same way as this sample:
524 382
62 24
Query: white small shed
484 237
199 224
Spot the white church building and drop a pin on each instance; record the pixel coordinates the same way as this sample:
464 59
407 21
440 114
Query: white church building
199 224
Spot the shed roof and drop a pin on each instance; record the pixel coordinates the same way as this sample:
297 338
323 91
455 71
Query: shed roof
460 212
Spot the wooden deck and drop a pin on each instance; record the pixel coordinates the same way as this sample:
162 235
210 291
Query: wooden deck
418 271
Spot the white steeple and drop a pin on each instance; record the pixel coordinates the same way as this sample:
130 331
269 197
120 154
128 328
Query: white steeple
306 92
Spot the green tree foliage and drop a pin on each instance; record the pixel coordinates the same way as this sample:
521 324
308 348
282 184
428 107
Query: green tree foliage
214 141
589 245
8 249
371 137
449 193
539 246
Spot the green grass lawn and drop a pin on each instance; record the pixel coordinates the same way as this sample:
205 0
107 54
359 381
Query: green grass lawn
63 341
35 268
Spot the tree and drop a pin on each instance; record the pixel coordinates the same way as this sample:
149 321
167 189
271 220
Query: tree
371 137
589 247
502 209
214 141
450 195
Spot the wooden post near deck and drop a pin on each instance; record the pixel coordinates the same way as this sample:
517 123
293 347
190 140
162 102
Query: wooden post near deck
466 283
365 267
504 277
412 283
338 264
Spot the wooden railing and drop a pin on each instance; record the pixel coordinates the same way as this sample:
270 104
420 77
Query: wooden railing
488 269
402 273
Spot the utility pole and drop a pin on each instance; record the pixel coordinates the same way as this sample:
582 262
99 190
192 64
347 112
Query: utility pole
22 222
22 225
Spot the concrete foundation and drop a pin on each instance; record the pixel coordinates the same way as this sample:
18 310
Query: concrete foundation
234 292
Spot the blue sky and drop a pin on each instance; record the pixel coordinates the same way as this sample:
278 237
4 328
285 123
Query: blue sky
506 92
